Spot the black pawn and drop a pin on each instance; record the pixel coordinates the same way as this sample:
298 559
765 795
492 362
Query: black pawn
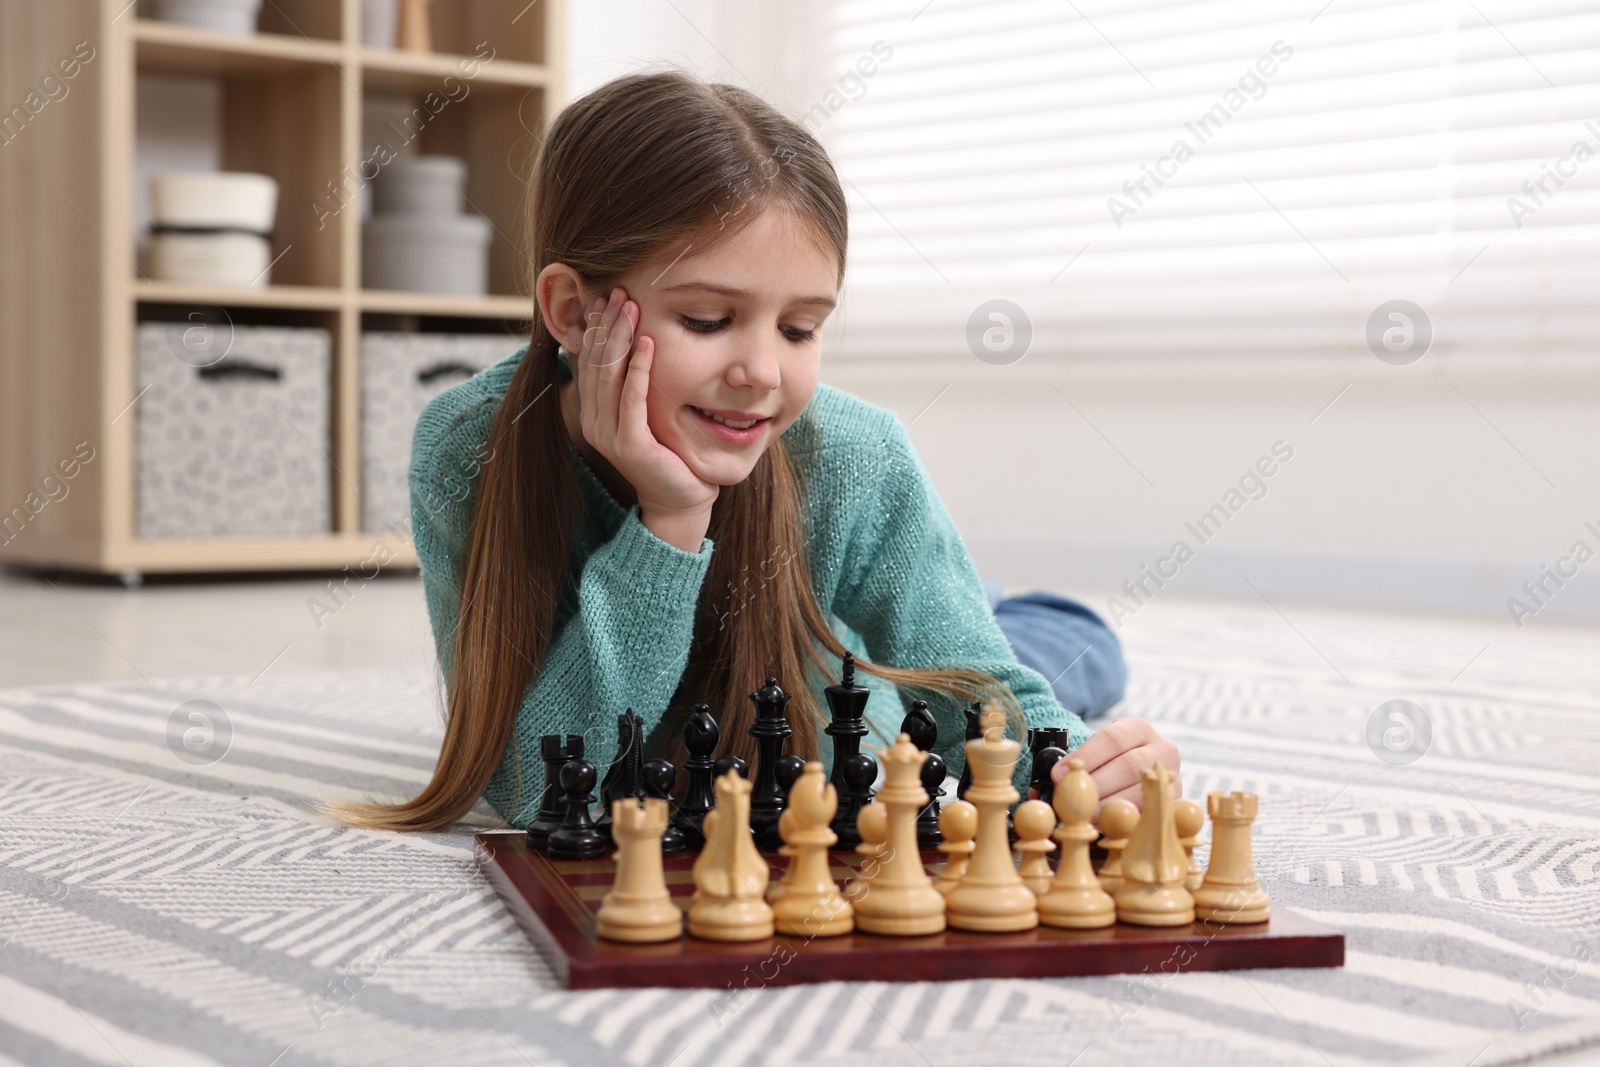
1044 761
700 737
933 773
920 726
554 751
625 777
974 731
770 730
659 778
577 838
729 762
860 771
788 771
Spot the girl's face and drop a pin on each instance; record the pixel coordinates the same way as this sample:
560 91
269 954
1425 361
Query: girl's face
737 332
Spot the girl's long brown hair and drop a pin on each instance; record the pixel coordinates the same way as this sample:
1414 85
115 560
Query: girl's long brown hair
639 168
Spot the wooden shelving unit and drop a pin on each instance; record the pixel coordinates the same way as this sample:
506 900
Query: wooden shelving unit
71 295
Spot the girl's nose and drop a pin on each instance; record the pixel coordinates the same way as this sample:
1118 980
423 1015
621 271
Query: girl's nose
756 366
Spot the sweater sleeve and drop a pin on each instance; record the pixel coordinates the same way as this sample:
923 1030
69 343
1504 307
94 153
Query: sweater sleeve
626 644
912 592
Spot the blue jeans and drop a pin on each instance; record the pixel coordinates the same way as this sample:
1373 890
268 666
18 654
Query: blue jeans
1067 643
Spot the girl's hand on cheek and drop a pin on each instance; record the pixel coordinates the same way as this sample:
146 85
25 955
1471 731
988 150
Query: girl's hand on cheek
1115 755
613 379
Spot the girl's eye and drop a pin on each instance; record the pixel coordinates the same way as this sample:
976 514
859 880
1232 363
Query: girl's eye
796 334
703 325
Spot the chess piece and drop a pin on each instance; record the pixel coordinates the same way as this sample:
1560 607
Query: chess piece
958 822
770 729
787 771
414 33
919 725
1118 819
1153 866
990 896
730 877
638 907
554 751
700 737
1074 899
659 777
625 776
1230 892
1189 816
847 703
1035 820
1040 739
860 771
903 901
872 828
1044 763
973 732
810 904
729 762
576 838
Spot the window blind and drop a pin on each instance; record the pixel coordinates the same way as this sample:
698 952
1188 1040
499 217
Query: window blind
1217 178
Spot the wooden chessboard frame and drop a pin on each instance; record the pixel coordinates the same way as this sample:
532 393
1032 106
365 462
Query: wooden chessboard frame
554 901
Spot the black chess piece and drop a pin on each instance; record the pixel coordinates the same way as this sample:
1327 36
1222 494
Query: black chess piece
847 705
729 762
700 737
770 730
624 778
577 838
973 732
860 771
933 775
1044 761
920 726
787 771
554 751
659 777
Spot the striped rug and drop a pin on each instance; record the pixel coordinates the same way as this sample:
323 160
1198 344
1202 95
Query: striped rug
166 899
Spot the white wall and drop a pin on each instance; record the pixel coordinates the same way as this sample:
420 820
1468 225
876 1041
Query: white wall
1436 485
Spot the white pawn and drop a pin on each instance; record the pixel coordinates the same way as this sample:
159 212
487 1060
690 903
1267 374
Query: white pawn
1034 820
957 822
1190 817
1118 819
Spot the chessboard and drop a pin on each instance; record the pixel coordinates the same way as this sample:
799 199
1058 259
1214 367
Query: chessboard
555 901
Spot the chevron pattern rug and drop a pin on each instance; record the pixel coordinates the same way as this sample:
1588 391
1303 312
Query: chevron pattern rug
167 899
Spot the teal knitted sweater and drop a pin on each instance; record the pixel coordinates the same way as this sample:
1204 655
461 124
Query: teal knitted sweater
888 568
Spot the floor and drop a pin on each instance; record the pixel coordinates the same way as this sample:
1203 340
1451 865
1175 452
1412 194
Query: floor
63 629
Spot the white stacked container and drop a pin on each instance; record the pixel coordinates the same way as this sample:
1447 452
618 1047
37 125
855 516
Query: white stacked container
400 373
211 228
418 239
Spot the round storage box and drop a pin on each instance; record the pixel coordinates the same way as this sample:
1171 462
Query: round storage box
210 258
426 253
420 185
226 16
227 200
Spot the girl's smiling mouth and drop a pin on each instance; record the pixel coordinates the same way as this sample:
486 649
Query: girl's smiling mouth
739 427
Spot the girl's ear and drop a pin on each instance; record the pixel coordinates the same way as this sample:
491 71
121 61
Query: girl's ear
563 304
